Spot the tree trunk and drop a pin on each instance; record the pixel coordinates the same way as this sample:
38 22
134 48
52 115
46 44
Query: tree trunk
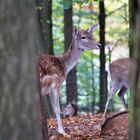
71 80
18 95
47 25
42 48
93 87
132 20
103 73
135 76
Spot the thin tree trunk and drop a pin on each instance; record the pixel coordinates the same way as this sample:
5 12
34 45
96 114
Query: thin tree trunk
71 80
93 87
135 78
18 95
47 25
132 24
103 74
42 48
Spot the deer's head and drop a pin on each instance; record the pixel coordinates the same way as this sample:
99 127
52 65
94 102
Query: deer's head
85 39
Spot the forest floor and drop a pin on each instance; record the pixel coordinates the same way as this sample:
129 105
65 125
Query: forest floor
88 127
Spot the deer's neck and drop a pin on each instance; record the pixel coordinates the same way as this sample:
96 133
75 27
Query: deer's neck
72 56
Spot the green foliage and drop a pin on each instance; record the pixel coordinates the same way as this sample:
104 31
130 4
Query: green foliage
58 36
66 3
117 21
85 77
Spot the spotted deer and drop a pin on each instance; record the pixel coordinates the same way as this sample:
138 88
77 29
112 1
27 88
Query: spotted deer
53 70
119 73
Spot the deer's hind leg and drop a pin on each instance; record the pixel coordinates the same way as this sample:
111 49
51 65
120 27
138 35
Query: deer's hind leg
114 88
121 95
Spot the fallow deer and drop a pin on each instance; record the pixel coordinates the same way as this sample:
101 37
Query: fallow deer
53 70
119 74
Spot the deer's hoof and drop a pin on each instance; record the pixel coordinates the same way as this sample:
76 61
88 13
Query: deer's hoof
61 131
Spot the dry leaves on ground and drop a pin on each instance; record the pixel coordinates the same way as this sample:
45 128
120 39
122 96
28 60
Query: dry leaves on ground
88 127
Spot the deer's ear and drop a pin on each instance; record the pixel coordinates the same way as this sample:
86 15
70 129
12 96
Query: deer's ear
92 28
75 31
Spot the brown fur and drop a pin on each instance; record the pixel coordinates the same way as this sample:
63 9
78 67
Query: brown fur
50 65
119 69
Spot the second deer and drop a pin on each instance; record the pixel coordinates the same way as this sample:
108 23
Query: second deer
53 70
119 74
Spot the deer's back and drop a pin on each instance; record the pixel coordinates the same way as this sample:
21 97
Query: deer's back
50 65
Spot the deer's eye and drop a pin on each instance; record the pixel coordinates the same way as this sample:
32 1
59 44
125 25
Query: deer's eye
83 37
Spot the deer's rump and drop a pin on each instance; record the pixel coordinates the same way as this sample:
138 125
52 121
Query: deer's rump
119 69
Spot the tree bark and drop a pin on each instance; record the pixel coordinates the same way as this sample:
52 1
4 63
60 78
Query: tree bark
93 87
103 73
47 25
71 80
18 95
135 78
132 19
42 48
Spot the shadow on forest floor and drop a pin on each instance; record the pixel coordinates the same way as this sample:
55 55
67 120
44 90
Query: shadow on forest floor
89 127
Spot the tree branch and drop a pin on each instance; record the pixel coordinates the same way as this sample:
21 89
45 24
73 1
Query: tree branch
110 13
114 116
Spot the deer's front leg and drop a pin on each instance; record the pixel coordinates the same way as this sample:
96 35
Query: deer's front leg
54 97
